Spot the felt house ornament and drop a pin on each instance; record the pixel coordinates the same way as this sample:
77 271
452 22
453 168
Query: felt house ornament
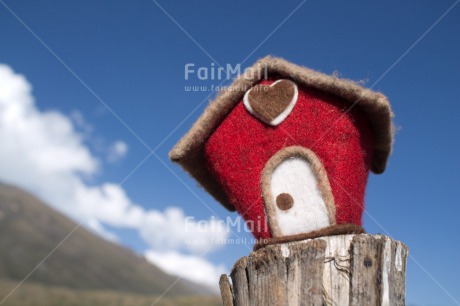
290 149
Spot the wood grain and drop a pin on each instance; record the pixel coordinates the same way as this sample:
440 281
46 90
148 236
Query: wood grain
336 270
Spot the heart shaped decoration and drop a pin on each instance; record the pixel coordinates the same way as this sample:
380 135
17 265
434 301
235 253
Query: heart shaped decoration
271 103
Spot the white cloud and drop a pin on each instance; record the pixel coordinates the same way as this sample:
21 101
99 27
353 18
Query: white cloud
190 267
46 141
117 151
173 230
80 122
97 228
44 153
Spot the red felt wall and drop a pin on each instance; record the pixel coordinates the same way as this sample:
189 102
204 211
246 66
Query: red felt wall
240 147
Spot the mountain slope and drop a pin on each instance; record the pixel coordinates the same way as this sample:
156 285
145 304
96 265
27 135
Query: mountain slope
34 294
30 230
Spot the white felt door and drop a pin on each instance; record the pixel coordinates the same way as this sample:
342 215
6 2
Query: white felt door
296 197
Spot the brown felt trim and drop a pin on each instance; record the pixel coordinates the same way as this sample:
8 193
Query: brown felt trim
334 230
319 172
188 152
268 101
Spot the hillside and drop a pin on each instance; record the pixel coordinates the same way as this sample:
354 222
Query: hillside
29 230
33 294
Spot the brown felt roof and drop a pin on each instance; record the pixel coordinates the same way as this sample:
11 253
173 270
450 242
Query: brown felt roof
188 152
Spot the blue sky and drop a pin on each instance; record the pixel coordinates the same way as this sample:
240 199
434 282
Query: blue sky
130 56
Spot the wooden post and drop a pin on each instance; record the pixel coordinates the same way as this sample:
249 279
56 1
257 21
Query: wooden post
336 270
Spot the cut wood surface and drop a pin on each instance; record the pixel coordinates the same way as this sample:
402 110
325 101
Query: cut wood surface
336 270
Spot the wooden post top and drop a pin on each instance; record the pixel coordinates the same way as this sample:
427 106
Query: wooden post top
336 270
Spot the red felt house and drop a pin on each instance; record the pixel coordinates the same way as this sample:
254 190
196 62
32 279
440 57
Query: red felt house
290 149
